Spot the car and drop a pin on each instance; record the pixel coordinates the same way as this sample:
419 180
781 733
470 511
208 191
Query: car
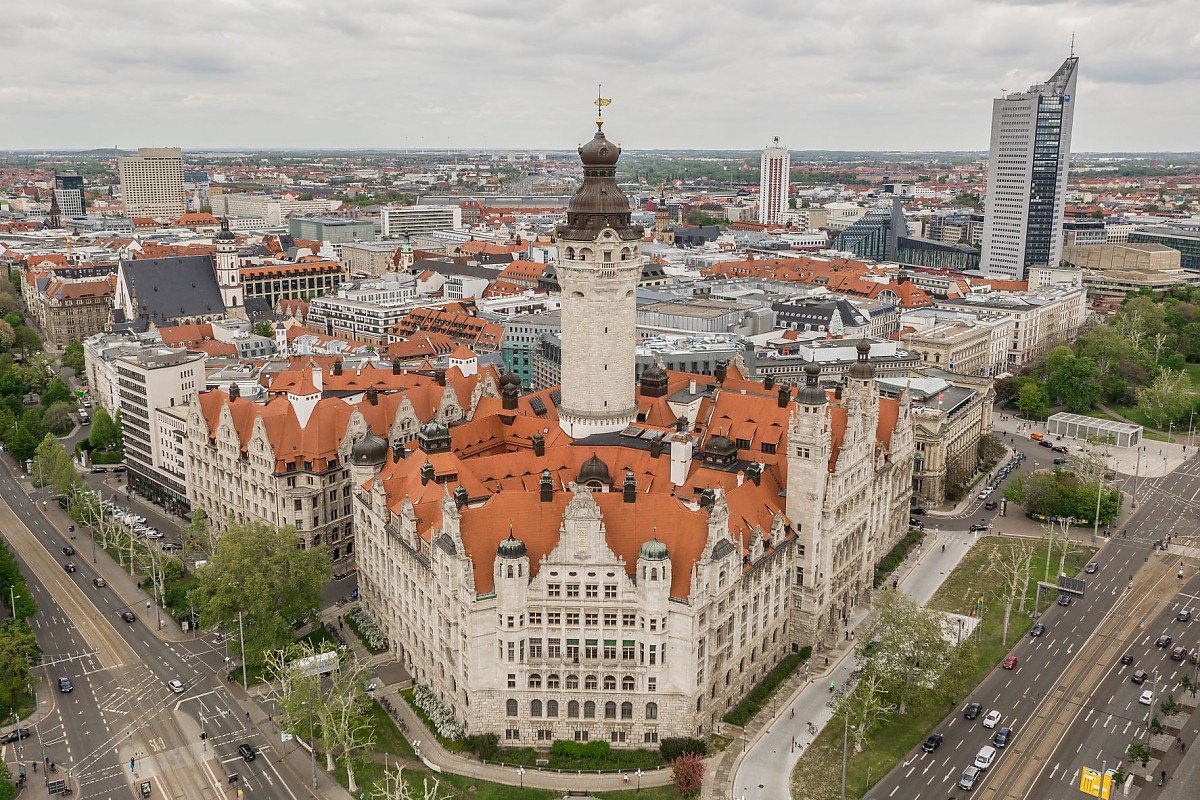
15 735
99 583
1010 662
969 778
68 551
69 566
1179 653
932 743
985 757
1139 676
99 469
915 523
992 719
1163 641
1038 630
369 686
120 468
246 751
978 526
153 533
918 511
991 505
1059 448
1059 460
175 685
1127 659
972 710
128 616
1091 568
1044 443
1147 698
1183 616
65 685
1064 599
1002 736
172 547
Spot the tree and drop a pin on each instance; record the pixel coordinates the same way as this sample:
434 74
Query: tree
58 418
1073 381
264 329
905 647
26 340
199 536
394 787
21 444
1033 400
260 571
1013 565
865 706
7 336
9 303
72 356
51 464
12 583
346 719
56 391
1168 398
687 774
18 652
104 435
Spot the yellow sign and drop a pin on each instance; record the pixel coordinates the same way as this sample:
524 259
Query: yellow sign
1093 783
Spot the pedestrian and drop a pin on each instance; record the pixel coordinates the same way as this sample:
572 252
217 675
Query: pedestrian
247 716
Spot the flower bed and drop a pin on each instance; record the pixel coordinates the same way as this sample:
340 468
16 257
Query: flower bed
440 718
367 631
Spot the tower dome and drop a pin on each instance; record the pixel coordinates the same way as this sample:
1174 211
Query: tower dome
862 368
369 451
811 394
653 550
224 234
512 547
594 470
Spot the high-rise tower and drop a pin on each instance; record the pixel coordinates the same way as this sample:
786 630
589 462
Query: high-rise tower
599 263
774 181
1027 176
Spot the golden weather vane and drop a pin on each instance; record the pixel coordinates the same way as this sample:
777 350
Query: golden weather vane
601 102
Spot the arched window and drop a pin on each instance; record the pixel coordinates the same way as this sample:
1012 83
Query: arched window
572 682
573 709
535 708
551 681
721 579
589 710
610 682
569 253
610 710
535 681
625 253
654 574
590 683
651 710
510 570
627 710
627 683
551 708
510 708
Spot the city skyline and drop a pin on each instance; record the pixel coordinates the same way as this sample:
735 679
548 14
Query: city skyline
822 83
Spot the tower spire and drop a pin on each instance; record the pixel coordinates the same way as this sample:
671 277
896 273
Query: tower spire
601 102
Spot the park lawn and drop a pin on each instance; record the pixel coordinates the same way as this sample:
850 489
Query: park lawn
369 774
388 738
818 773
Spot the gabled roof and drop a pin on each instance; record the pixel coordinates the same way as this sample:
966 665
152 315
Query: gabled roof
170 288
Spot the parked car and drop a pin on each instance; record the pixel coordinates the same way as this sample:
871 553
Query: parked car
916 523
932 743
1002 736
1010 662
246 751
1058 448
972 710
969 778
1059 460
917 511
1037 630
1138 676
1163 641
1179 653
153 533
992 719
15 735
1044 443
1146 698
65 685
1091 568
985 757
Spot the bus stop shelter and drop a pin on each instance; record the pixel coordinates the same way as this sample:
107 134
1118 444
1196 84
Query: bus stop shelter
1077 426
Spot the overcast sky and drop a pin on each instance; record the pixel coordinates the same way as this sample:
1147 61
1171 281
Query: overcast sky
842 75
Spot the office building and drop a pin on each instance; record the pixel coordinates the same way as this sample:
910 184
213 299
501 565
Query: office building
335 230
1186 241
152 182
1027 176
401 220
774 180
273 209
68 191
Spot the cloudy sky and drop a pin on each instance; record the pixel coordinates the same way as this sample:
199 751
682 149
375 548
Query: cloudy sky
821 74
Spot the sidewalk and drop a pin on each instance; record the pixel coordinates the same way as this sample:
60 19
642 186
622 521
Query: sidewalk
960 509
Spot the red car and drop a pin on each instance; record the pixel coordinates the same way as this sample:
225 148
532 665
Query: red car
1009 662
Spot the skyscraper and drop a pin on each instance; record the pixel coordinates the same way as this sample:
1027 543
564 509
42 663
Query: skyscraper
1027 175
773 182
152 182
68 190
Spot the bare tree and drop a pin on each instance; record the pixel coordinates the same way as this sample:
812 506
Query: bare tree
1013 564
295 690
393 787
865 704
345 719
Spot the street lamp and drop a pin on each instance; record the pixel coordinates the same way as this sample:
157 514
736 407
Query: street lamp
312 743
521 775
639 777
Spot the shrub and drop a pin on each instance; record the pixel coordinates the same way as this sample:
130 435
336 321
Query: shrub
566 748
439 716
744 711
672 749
484 745
687 773
895 557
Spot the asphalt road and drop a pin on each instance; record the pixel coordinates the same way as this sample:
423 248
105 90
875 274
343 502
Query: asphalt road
121 707
1106 722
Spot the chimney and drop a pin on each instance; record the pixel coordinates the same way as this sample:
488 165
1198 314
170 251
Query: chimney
629 488
546 486
337 367
426 473
508 398
692 386
399 452
440 377
754 473
785 396
372 396
460 497
708 498
769 382
656 448
837 392
722 367
234 392
539 445
396 366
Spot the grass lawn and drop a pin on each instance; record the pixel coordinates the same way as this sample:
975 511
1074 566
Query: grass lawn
818 774
388 738
1134 414
369 774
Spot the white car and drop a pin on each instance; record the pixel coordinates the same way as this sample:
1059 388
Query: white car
992 719
153 533
985 757
175 686
1147 698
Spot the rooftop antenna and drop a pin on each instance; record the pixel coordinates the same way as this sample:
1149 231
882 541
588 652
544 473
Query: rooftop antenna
1072 44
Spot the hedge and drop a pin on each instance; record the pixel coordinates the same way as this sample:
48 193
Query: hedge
895 557
744 711
673 748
